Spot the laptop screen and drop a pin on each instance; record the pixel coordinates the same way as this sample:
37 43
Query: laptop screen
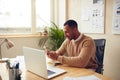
50 72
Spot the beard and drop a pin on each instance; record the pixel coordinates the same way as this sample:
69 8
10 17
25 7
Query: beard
70 37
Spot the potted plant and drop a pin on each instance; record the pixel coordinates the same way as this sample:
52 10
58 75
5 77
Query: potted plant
56 36
54 39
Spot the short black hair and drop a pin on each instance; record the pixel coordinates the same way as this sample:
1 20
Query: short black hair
71 23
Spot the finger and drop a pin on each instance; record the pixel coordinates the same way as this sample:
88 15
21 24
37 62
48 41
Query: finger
48 52
51 55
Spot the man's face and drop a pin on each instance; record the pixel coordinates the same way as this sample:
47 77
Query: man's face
68 32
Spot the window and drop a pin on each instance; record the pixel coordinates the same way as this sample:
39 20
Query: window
42 14
23 16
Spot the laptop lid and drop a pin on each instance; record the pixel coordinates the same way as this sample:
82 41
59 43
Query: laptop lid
35 61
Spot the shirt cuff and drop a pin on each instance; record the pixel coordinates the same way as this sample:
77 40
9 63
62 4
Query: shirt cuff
60 59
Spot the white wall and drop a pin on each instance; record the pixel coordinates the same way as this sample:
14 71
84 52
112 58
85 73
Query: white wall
18 44
112 51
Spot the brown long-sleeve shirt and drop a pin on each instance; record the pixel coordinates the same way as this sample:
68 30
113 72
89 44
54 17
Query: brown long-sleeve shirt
78 53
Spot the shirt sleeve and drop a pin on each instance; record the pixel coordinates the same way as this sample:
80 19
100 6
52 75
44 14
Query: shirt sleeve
87 51
62 48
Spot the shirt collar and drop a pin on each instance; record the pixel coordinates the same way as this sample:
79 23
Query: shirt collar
78 38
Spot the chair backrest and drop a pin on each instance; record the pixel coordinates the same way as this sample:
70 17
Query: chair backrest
100 48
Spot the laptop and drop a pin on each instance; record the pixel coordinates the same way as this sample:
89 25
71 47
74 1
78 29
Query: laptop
35 62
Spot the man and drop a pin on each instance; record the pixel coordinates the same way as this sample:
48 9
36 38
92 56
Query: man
78 48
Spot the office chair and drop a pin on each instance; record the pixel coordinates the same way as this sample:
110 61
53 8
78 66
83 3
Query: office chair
100 48
0 78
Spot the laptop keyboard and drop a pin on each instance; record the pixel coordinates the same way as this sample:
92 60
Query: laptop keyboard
50 72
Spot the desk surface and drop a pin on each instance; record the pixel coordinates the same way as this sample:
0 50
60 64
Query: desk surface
71 71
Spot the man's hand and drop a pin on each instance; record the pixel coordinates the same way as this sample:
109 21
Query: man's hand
52 55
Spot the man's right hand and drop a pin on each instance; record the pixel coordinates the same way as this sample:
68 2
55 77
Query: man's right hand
52 55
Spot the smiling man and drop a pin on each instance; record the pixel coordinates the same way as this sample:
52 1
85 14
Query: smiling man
78 48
